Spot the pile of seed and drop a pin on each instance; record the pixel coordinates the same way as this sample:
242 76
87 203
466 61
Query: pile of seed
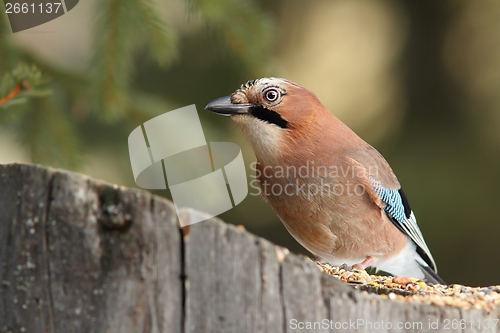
411 289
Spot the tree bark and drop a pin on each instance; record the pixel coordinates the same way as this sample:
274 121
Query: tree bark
79 255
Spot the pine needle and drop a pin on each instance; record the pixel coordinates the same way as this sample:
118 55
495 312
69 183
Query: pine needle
8 52
120 31
22 82
162 39
245 29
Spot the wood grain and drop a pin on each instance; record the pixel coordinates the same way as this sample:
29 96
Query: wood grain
79 255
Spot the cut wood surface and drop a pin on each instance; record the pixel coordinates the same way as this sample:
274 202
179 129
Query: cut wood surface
80 255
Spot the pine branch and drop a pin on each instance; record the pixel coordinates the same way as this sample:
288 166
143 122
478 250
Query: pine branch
246 30
76 85
21 83
120 31
13 93
162 38
8 52
114 45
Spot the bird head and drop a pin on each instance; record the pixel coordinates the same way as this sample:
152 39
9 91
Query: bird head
274 114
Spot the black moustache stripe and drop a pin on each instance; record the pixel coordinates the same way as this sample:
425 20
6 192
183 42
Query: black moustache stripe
269 116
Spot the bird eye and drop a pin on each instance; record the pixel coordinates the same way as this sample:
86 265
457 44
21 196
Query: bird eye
272 95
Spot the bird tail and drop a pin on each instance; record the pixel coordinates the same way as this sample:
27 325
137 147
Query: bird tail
431 276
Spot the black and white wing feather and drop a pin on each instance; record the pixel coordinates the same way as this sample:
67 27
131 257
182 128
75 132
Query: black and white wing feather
399 212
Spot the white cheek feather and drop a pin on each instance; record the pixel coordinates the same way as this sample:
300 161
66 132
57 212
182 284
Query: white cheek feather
265 138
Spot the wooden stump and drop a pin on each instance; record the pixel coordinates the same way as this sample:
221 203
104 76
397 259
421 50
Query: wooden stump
79 255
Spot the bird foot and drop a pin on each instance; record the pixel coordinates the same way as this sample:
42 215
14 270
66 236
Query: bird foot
355 267
358 267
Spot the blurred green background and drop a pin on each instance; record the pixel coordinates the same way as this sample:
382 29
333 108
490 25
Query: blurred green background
419 80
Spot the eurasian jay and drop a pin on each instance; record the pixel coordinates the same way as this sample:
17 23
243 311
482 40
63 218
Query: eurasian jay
335 194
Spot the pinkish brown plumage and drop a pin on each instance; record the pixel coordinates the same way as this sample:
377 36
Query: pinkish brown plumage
347 205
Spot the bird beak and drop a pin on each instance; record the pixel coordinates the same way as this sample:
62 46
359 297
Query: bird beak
224 107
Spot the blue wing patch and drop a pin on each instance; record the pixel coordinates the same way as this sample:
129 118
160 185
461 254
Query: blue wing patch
395 206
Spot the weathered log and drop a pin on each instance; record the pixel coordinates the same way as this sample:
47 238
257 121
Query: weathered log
79 255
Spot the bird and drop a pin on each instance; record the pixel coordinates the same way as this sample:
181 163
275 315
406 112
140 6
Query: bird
334 193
